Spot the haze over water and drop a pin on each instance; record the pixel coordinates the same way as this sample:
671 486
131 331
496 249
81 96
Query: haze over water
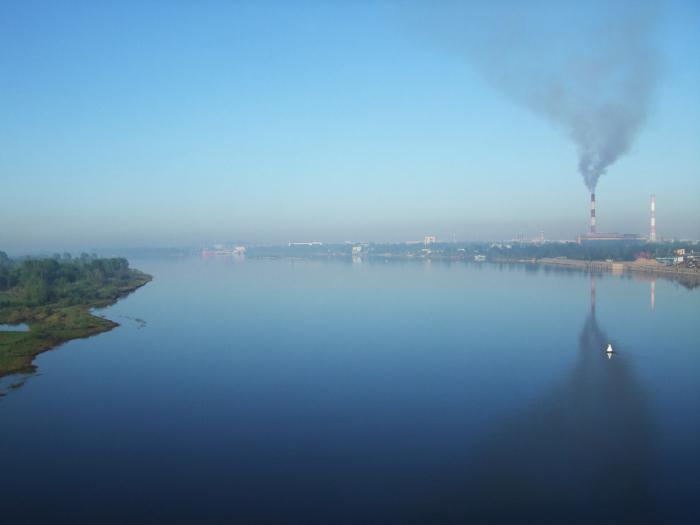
330 391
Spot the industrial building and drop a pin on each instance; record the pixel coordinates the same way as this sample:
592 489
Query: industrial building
612 236
594 236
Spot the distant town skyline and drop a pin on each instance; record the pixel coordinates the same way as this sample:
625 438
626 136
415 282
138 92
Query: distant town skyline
128 124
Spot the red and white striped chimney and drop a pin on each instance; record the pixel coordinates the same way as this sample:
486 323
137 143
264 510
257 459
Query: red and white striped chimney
592 212
652 229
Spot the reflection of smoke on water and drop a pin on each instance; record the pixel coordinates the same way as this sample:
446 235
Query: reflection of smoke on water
583 453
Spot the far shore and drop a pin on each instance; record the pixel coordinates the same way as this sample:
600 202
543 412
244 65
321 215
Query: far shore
650 267
646 266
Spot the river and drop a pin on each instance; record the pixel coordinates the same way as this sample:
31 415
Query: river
278 391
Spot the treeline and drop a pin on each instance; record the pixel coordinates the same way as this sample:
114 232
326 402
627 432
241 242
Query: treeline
61 279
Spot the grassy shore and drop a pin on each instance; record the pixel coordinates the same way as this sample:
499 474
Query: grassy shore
55 323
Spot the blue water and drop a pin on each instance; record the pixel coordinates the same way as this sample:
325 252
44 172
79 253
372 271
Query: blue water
14 327
387 392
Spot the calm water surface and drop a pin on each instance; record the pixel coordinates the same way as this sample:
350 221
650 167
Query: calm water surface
13 327
333 392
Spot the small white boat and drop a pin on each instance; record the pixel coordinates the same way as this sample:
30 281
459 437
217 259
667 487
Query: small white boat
609 350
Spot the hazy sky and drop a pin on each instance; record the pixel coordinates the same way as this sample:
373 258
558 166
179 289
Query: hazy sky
168 123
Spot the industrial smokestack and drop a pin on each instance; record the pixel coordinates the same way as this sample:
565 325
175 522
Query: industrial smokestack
592 212
652 229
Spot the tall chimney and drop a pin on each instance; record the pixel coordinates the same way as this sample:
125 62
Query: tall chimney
652 229
592 212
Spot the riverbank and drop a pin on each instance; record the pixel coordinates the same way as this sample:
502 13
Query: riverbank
649 267
53 324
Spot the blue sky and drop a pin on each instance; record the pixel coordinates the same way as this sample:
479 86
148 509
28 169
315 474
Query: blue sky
168 123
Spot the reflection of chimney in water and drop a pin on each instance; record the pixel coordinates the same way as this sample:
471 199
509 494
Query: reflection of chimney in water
592 212
653 294
592 294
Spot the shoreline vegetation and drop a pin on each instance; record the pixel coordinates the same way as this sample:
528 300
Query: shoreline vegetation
54 297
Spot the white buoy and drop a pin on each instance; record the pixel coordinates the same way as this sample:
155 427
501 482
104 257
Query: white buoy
609 351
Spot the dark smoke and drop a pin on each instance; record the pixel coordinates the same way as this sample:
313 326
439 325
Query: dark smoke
589 67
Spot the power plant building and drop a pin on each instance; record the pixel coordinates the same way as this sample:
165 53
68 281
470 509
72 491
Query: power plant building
594 236
634 237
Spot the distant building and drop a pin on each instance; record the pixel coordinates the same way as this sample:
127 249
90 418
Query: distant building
429 239
598 237
310 243
670 261
220 249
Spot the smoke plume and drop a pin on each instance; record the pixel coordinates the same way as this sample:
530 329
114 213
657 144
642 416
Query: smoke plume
588 67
